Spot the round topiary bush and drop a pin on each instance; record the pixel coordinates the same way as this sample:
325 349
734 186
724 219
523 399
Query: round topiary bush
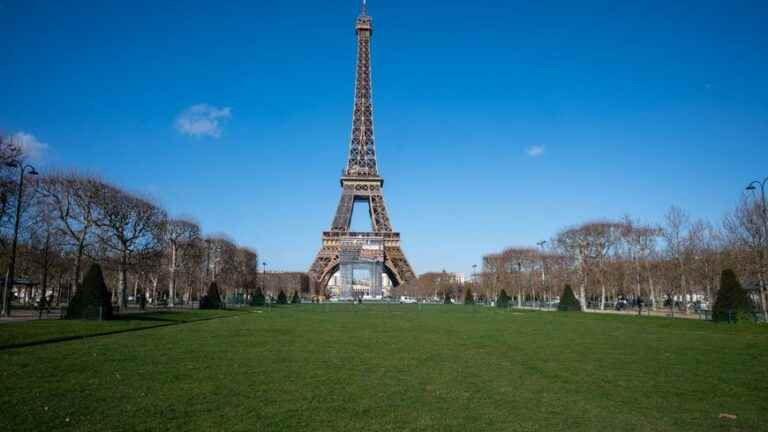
568 301
282 298
211 299
92 300
469 299
295 299
732 303
258 299
503 299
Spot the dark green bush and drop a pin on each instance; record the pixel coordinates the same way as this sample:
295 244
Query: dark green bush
447 298
469 299
731 303
568 301
502 300
258 299
92 300
211 299
295 299
282 298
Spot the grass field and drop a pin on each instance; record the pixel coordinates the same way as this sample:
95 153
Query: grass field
352 368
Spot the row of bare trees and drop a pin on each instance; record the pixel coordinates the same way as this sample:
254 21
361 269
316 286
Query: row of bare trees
675 263
432 285
69 220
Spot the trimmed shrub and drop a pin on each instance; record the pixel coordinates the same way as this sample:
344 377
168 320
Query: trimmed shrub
92 300
568 301
258 299
211 299
469 299
295 299
503 299
731 303
282 298
447 298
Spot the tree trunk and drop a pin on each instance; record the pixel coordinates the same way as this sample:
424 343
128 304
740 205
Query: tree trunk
602 296
78 265
124 282
58 292
582 292
683 286
154 289
764 298
135 288
172 277
45 280
188 292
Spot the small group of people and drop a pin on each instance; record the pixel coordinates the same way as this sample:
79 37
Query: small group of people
44 304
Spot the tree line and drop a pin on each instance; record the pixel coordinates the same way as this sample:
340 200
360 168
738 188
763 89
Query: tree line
68 220
676 263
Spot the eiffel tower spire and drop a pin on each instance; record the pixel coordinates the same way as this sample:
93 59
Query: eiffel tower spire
362 149
344 251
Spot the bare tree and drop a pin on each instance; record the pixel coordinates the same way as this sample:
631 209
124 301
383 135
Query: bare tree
128 226
640 243
45 239
180 237
10 150
745 229
589 246
193 268
72 198
674 231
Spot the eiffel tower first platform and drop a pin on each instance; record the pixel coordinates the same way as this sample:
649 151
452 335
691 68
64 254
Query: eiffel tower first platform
377 252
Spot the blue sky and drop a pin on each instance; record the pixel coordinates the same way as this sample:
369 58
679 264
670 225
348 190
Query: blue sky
634 106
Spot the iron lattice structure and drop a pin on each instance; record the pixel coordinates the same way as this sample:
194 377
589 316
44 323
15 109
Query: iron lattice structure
360 181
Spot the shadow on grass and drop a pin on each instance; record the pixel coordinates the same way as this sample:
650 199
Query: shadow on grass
154 320
148 316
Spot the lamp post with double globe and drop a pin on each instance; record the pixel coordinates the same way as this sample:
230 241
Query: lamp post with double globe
10 276
753 186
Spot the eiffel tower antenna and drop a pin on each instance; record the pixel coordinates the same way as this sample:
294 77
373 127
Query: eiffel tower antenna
344 251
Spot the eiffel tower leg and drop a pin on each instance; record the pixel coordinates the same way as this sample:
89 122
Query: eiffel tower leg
323 268
397 263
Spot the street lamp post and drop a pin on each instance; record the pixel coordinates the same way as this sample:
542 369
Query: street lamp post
752 186
264 278
207 270
10 276
520 284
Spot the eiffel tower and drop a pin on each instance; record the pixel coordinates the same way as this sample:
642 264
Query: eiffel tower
344 250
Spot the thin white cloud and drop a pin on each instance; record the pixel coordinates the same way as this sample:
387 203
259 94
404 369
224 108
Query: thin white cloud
31 148
535 151
201 120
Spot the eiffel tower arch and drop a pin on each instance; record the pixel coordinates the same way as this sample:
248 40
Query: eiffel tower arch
344 251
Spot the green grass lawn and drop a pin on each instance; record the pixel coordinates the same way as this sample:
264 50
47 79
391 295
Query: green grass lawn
355 368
